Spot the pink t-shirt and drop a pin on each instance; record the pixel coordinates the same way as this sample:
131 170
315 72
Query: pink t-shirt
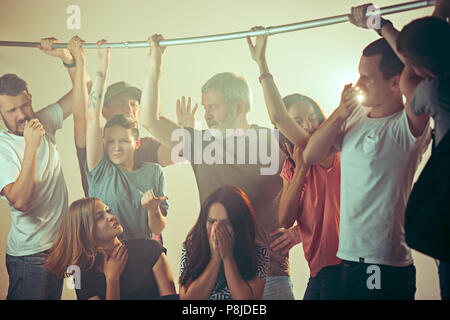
318 219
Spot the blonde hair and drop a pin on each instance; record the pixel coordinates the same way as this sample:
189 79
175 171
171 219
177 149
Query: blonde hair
74 243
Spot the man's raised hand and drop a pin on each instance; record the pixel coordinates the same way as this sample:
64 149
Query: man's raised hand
46 46
185 116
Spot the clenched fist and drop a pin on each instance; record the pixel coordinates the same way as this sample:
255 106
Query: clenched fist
33 133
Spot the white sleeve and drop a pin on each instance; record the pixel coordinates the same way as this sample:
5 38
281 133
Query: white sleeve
9 167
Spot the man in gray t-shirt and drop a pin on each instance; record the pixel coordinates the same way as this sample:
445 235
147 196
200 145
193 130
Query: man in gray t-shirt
432 97
226 100
425 45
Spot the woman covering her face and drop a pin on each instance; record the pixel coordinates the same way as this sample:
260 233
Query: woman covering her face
110 269
220 259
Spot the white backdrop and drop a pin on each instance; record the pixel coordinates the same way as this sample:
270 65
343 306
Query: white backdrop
317 62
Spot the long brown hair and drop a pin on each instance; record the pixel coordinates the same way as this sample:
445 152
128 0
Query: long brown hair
242 220
288 102
74 243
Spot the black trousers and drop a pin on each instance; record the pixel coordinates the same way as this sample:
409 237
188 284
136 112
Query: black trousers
363 281
325 285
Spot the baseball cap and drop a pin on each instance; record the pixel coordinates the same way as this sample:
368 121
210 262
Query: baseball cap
119 87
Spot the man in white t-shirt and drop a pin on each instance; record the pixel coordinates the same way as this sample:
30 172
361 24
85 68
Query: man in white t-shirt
381 146
423 45
32 182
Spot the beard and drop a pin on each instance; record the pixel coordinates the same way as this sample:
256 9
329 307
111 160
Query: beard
14 129
230 121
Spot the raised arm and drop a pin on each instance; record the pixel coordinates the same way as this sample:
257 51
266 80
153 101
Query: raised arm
375 22
320 145
46 46
442 9
275 106
79 92
409 79
94 142
160 127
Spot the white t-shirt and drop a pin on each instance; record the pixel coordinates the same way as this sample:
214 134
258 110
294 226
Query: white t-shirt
34 231
379 158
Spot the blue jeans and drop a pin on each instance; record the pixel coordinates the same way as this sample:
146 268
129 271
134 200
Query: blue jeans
444 280
278 288
325 285
28 280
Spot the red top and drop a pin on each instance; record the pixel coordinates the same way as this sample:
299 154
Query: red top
318 217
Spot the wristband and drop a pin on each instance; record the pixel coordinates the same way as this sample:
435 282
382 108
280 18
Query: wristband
383 22
264 75
71 65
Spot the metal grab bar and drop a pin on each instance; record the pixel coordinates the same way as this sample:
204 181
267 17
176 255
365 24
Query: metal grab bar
238 35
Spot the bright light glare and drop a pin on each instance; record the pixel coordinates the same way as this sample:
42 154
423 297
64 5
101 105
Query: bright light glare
360 97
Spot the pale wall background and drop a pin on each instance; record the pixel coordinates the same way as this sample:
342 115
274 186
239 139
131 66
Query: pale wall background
316 62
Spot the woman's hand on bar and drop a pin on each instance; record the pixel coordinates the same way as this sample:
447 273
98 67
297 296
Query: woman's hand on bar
76 50
103 58
258 50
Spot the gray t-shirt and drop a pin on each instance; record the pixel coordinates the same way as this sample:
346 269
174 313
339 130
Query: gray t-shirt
122 192
432 97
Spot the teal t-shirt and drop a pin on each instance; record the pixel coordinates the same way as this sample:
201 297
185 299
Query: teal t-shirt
122 191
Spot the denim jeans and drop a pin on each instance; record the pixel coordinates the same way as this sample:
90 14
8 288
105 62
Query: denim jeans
278 288
325 285
28 280
395 283
444 280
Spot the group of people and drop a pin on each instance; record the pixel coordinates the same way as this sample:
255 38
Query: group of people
341 190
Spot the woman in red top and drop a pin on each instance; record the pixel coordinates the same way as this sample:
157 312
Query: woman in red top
310 194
